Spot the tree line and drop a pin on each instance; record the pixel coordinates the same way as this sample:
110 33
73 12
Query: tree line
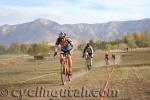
41 48
132 40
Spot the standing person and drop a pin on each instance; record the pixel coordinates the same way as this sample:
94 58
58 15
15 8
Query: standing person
113 57
67 47
106 58
88 55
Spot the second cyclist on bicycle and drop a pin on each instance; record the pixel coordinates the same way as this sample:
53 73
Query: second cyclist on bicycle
88 55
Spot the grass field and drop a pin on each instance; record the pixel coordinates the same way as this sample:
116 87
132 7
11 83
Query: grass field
131 76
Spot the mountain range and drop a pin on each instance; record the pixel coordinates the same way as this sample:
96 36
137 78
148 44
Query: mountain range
44 29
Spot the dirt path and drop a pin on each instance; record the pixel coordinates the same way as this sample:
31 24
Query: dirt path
97 64
80 79
132 82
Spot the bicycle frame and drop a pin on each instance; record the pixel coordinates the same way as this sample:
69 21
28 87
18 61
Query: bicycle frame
88 61
64 69
107 61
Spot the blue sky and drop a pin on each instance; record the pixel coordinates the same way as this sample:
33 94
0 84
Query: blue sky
73 11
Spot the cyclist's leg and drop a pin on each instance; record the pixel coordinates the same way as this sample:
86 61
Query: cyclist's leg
91 59
88 61
114 61
106 60
69 62
61 58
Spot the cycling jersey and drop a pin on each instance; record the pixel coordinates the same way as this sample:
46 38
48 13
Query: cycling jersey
65 45
88 50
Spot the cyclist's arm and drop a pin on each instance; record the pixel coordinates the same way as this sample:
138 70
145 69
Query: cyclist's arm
84 50
72 45
92 51
56 45
55 48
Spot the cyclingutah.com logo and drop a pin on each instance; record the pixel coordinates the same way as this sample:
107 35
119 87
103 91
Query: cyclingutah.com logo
56 94
3 92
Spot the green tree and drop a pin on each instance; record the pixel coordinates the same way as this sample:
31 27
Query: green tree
34 49
3 49
147 43
30 51
39 49
138 38
125 38
122 46
14 48
43 48
23 48
146 36
92 44
98 44
129 40
103 45
108 46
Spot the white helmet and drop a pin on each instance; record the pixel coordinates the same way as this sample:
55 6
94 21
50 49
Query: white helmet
62 34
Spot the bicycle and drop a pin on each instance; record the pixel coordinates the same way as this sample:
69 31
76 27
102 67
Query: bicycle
88 61
113 59
64 69
106 61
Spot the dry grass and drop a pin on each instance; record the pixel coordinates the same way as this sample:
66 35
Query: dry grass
131 77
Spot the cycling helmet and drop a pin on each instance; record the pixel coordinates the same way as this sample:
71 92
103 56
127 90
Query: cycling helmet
62 34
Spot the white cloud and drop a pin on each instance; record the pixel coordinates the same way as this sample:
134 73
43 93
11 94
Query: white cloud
80 11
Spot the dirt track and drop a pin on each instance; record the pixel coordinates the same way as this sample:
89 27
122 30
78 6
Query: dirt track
130 83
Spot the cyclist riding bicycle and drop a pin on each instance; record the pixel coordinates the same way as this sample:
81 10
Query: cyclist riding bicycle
113 57
67 47
106 58
88 53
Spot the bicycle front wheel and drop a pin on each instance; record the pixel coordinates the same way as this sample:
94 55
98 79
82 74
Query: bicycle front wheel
63 74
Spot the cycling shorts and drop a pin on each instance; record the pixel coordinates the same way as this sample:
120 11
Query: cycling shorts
66 48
